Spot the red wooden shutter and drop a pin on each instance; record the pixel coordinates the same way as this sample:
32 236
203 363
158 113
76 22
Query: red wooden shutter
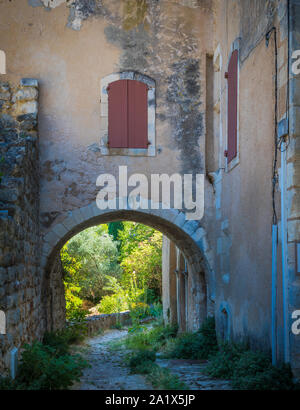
137 114
127 114
117 114
232 106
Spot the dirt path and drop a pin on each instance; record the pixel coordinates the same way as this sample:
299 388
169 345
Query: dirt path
108 371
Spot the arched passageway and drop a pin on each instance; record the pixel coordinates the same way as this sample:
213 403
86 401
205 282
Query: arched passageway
194 278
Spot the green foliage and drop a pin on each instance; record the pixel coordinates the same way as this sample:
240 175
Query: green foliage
114 229
199 345
156 310
118 301
123 298
223 363
41 368
7 384
87 259
132 235
162 378
254 371
143 258
112 304
49 365
143 362
141 358
74 309
151 339
249 370
126 280
60 340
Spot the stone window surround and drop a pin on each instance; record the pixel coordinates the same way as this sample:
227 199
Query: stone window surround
128 75
236 160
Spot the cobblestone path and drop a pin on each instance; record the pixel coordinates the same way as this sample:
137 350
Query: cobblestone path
191 372
107 371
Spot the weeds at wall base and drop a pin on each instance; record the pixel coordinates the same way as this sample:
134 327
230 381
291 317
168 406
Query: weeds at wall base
49 365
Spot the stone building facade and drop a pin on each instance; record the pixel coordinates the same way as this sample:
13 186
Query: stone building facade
221 265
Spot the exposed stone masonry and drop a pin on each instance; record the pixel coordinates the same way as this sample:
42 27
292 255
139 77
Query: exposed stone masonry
20 276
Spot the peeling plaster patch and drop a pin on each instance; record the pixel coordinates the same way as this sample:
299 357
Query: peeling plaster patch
54 3
35 3
224 244
48 4
189 3
167 54
81 10
134 44
134 14
184 97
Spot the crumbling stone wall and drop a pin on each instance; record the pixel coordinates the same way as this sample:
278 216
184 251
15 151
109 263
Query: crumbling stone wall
20 276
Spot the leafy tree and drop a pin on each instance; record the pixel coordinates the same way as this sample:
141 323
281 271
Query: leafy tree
131 236
114 229
145 260
87 258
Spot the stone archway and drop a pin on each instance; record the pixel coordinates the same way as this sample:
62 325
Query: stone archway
189 236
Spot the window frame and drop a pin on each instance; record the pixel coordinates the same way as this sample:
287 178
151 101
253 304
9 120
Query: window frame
104 147
236 160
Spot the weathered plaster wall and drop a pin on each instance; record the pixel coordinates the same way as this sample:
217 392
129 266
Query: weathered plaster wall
165 40
70 45
241 224
293 184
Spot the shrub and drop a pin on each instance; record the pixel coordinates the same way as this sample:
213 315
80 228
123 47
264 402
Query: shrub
143 362
7 384
162 378
49 365
199 345
249 370
141 359
254 371
112 304
222 364
138 311
152 339
41 368
75 331
156 310
60 340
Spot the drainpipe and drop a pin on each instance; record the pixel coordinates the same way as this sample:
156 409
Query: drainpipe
274 294
284 257
274 223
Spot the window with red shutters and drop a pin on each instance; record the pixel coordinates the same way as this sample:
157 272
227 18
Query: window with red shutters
232 77
127 114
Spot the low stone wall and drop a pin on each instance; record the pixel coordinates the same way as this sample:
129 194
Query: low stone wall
103 322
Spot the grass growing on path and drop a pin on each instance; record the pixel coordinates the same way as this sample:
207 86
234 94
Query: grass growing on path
143 362
247 369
